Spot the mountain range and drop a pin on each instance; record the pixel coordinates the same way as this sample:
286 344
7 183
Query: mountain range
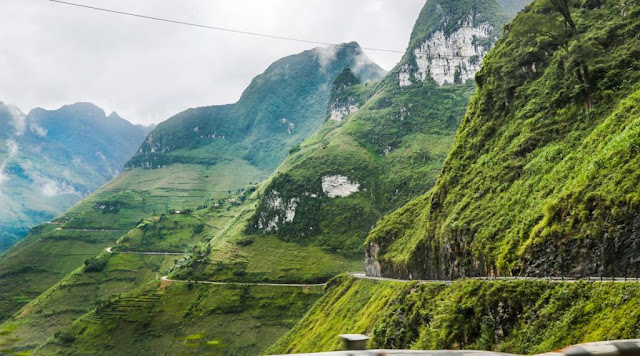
51 159
497 148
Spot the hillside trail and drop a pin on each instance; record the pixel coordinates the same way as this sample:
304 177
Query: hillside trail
360 275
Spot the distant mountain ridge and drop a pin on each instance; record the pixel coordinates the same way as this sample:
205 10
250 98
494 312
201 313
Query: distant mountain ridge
275 112
50 159
212 159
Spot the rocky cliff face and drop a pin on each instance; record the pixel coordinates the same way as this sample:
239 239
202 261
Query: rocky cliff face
453 58
383 143
543 177
451 50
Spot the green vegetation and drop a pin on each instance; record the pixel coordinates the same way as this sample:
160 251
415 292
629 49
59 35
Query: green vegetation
84 149
280 108
78 293
166 233
392 146
521 317
544 170
54 250
61 271
183 318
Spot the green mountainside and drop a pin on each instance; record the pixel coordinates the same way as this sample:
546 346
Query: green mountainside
520 317
62 270
346 151
542 179
51 159
278 110
382 145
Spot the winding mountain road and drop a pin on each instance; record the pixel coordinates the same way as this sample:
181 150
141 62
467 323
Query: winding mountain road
547 279
150 253
166 278
383 279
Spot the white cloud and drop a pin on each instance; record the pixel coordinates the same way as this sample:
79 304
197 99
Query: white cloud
148 71
50 188
12 150
37 129
326 55
107 167
18 120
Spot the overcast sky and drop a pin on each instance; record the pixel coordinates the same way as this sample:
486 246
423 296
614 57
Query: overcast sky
53 54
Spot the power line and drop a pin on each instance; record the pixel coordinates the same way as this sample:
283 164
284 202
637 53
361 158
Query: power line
214 27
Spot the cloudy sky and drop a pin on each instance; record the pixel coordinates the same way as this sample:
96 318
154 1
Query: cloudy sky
54 54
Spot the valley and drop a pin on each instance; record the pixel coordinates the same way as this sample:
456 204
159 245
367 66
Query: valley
481 195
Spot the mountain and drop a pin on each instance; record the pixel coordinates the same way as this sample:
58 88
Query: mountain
542 179
51 159
189 206
276 111
373 147
189 181
383 145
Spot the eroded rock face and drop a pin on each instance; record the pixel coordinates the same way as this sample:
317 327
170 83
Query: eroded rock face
285 212
450 58
455 58
371 264
339 112
339 186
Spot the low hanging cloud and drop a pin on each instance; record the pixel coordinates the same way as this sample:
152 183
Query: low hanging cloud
18 121
37 129
12 149
51 188
326 55
107 167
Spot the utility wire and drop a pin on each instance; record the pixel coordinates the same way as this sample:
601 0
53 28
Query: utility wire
214 27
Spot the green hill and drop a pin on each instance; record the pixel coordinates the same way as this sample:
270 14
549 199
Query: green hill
542 179
381 146
278 110
61 270
520 317
51 159
191 189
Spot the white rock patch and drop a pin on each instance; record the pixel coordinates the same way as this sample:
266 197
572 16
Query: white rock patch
404 76
340 112
439 56
275 202
339 186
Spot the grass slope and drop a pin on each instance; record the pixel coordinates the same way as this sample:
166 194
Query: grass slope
181 318
391 147
54 250
543 176
521 317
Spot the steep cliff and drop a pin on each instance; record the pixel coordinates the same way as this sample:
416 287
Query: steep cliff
542 179
520 317
384 144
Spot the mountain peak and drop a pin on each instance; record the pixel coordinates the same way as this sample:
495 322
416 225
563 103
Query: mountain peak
449 41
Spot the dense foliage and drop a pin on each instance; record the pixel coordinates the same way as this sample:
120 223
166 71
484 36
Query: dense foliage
543 176
521 317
